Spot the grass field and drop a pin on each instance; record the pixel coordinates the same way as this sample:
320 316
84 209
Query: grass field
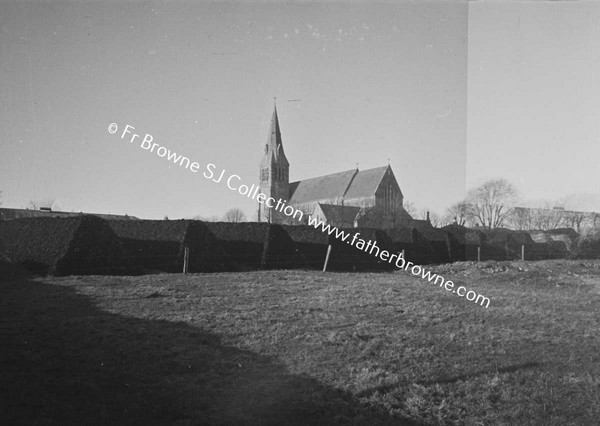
299 347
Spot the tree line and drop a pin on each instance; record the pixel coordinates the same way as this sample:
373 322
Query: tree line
493 205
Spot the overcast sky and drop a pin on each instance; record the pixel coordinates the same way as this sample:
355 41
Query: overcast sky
450 93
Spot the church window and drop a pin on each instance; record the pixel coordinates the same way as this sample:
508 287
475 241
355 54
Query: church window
388 199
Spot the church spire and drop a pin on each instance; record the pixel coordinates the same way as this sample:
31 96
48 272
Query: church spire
274 173
274 142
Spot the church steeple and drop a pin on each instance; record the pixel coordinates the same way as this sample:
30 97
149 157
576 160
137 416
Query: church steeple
274 172
274 145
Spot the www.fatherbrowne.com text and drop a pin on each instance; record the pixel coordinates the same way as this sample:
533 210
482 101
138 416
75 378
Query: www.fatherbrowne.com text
233 182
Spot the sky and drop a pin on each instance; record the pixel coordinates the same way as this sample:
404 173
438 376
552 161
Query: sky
534 99
450 93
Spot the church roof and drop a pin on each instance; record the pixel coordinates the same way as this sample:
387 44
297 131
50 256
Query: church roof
365 182
338 213
321 188
348 184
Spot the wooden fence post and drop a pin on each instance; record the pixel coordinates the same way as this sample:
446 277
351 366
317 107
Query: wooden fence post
523 252
186 259
479 253
327 257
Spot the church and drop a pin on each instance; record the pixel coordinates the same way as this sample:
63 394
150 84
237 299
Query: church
352 198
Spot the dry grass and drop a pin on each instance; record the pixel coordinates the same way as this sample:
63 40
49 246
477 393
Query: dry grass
295 347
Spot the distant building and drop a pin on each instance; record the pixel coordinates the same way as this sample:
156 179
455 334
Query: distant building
8 214
351 198
528 218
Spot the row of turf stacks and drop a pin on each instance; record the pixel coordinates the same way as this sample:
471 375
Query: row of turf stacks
62 246
250 246
159 246
503 244
91 245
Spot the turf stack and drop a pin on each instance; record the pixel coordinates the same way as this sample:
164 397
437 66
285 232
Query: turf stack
10 271
545 247
62 246
463 242
252 245
521 239
159 245
347 257
404 238
503 244
281 252
474 240
457 244
418 248
587 248
568 236
309 243
436 242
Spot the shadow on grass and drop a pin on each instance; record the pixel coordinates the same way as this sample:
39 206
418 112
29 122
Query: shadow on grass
64 361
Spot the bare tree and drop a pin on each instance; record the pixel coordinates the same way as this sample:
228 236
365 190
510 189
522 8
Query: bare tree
595 222
234 215
576 220
521 219
410 208
547 218
458 213
433 217
491 202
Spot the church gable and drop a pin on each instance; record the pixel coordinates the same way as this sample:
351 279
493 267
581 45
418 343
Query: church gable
388 186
